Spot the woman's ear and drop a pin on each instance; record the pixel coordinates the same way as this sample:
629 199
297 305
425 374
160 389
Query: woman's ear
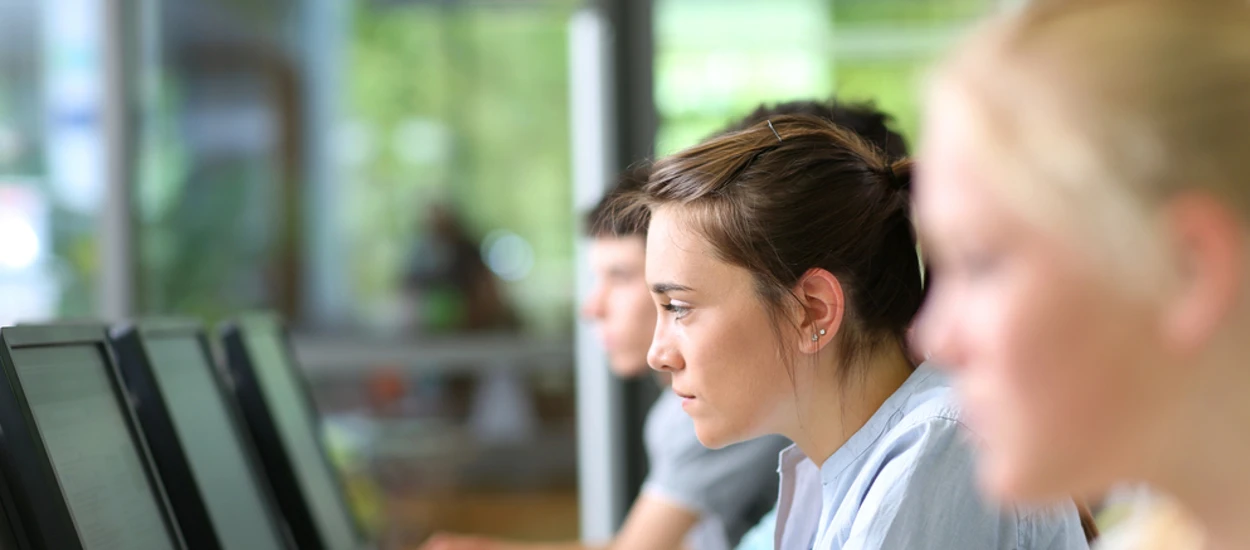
1208 255
823 306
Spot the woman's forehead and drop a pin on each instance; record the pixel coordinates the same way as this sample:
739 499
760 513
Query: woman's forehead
679 254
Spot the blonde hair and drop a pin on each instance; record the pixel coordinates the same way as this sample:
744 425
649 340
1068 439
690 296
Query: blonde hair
1089 113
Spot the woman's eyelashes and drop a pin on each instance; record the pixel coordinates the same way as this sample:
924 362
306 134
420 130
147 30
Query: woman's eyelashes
678 310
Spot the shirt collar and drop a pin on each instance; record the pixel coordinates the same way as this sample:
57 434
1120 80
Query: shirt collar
878 424
792 458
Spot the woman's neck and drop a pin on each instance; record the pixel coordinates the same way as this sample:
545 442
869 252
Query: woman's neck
1207 461
831 408
1214 487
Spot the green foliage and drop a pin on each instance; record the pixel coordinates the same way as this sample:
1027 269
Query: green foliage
479 94
892 85
907 12
199 248
868 50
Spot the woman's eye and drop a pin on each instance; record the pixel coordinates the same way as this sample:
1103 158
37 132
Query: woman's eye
678 311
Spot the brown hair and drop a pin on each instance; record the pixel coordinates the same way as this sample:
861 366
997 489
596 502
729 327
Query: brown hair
608 219
864 119
798 193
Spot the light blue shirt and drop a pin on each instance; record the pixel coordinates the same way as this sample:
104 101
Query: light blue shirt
906 480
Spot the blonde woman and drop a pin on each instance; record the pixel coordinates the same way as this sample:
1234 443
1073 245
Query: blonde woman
1084 195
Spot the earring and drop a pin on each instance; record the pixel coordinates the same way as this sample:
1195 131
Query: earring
816 337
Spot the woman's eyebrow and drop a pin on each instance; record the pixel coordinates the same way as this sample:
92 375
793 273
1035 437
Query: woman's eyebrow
665 288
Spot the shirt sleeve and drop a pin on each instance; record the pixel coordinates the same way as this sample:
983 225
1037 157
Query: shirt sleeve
737 484
762 535
925 497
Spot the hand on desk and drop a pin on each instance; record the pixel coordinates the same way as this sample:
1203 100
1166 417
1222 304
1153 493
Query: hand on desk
442 541
653 523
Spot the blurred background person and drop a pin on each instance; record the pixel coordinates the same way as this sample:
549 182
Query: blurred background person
1087 216
451 287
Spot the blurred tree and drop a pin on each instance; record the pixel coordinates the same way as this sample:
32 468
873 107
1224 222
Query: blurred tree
465 104
858 50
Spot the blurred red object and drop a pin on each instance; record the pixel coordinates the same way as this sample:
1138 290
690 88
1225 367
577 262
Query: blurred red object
386 388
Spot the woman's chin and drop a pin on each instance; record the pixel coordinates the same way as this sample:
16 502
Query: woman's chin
716 436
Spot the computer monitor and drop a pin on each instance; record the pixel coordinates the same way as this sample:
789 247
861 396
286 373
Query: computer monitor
285 429
73 458
198 441
11 537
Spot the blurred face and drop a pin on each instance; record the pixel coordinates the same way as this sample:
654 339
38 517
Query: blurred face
713 335
620 303
1051 359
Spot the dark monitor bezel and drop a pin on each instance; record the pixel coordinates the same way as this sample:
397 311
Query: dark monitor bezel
37 496
263 427
130 343
12 532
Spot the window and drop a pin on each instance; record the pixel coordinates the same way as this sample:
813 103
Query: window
718 60
457 115
51 157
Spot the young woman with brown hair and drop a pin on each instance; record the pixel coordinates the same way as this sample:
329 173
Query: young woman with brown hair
783 263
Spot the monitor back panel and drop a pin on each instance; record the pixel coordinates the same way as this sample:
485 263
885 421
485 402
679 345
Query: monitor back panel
198 440
76 465
285 430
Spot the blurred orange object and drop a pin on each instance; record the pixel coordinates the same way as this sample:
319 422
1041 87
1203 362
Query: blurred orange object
386 389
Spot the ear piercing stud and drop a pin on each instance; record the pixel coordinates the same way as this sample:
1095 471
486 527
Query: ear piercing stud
816 337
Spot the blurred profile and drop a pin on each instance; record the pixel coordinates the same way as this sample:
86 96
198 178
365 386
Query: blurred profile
1084 200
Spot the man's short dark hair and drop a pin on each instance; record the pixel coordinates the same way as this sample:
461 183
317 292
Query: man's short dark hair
863 118
606 219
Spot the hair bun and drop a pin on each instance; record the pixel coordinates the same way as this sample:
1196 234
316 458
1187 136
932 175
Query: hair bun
898 174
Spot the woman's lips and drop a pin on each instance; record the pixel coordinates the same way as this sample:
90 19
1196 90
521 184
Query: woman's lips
686 398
